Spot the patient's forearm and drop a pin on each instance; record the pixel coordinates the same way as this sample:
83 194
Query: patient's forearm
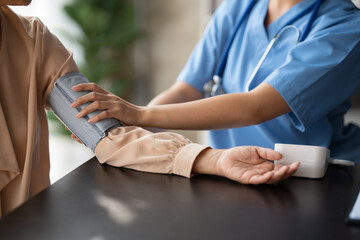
206 162
136 148
171 153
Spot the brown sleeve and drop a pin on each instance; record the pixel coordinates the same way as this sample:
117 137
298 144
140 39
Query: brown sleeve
139 149
56 60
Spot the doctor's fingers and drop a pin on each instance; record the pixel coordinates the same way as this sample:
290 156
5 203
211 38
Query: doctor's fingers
96 105
92 97
126 113
93 87
104 115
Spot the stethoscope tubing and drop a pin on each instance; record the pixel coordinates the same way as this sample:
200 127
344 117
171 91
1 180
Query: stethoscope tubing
223 59
216 82
267 51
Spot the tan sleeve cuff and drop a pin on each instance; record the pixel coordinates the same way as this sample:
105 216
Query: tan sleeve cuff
184 159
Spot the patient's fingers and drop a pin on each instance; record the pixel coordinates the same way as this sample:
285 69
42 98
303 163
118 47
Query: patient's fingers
268 177
283 172
73 135
292 169
260 179
76 139
279 174
267 153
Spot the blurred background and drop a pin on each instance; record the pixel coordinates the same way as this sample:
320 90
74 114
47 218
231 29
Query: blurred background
134 48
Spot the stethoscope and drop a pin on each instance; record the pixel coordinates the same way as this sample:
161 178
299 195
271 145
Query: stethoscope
214 86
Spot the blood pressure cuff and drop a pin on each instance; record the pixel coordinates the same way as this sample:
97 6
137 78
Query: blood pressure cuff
59 101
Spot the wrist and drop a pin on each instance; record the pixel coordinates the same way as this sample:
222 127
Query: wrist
207 162
146 117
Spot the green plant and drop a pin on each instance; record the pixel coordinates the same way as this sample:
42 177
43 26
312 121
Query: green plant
108 33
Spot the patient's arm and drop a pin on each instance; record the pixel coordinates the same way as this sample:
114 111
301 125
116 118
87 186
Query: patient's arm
171 153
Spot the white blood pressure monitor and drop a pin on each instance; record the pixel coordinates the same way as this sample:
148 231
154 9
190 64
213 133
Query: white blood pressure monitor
314 160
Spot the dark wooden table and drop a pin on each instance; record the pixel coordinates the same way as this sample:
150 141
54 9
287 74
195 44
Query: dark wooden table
103 202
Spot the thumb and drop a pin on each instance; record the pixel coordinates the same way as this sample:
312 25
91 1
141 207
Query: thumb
268 154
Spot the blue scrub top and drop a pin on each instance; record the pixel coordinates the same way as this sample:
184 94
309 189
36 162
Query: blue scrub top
316 77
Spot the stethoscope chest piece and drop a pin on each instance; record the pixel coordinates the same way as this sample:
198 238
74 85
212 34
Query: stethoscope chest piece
213 87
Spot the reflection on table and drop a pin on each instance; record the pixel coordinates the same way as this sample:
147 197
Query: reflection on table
103 202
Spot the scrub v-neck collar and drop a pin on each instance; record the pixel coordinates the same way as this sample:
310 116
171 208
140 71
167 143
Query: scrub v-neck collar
260 12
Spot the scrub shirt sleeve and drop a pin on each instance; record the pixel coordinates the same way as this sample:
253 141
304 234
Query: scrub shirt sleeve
320 73
202 62
55 61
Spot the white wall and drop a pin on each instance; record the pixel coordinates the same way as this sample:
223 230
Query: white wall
172 29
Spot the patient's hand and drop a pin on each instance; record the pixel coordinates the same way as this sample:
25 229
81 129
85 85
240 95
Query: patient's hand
73 136
248 165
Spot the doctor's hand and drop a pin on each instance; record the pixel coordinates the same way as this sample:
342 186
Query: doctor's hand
111 105
245 164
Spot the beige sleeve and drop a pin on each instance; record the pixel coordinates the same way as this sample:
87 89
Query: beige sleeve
55 60
142 150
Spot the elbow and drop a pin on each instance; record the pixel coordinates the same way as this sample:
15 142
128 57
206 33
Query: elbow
263 104
254 117
257 117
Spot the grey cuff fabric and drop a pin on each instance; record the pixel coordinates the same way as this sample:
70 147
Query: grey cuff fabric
59 101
